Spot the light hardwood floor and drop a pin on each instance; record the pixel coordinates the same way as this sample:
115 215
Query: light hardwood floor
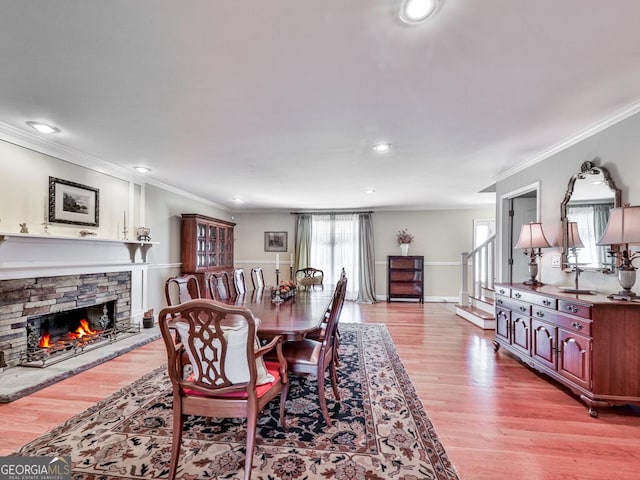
497 419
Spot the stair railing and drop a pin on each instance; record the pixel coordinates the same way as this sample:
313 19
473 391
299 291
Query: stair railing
480 262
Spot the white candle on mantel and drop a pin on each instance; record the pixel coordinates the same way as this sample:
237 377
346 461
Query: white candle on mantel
46 208
291 259
277 261
125 219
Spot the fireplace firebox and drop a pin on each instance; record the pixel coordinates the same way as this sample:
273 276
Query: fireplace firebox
54 337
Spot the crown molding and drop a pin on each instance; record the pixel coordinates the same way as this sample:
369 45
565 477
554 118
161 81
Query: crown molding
603 124
37 143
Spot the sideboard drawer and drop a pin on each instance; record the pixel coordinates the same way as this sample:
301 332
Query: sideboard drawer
536 299
575 324
567 306
503 291
514 305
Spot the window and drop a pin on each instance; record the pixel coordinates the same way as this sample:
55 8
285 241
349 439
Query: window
334 245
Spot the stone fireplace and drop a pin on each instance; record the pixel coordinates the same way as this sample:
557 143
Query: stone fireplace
29 304
43 276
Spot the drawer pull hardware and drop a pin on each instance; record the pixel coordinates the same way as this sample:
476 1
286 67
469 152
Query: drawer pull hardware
572 308
501 291
499 302
517 295
540 314
577 325
523 309
546 302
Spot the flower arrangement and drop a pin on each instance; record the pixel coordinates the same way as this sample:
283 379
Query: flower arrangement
404 237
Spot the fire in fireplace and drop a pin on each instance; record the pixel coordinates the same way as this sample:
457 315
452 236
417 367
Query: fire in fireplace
57 336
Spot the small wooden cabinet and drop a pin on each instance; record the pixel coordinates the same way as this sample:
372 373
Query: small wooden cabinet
207 247
405 277
588 343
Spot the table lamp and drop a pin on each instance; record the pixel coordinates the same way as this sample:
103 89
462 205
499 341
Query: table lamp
623 228
532 238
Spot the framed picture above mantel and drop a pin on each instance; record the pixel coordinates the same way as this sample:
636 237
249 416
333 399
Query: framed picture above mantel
73 203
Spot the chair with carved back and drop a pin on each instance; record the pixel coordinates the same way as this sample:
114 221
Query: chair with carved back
181 288
219 286
239 281
319 333
309 276
228 377
257 278
314 357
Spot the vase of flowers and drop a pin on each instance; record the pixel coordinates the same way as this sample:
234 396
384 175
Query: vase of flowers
404 240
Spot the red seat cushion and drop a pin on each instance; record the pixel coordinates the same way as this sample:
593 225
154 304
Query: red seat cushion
272 368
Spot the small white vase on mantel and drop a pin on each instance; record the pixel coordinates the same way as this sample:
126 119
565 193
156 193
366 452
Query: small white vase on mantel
404 248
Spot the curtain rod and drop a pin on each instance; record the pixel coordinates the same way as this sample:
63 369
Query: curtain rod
332 212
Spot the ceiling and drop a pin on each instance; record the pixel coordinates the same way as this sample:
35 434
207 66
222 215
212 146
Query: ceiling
279 102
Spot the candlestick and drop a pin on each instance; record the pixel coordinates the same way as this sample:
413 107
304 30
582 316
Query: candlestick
277 278
277 261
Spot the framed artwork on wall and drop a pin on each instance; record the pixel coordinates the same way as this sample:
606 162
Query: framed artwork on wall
73 203
275 241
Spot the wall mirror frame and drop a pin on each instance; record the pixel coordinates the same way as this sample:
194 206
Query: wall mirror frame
591 193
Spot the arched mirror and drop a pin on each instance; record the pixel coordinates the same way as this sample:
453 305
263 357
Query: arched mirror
590 195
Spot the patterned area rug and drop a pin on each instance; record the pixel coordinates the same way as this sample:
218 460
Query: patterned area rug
380 429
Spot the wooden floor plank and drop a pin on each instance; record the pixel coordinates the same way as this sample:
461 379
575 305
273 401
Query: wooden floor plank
497 419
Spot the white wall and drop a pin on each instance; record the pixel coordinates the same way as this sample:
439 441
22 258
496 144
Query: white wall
440 236
24 188
618 149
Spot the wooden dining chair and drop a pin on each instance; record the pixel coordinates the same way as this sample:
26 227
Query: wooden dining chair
313 357
319 333
309 276
228 378
257 278
219 286
239 281
181 288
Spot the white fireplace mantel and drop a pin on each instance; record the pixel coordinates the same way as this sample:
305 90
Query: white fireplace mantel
27 255
34 256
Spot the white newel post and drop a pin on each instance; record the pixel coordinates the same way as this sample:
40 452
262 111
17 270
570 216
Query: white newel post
464 279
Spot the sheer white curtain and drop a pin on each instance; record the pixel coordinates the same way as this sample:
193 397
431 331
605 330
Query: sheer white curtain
335 240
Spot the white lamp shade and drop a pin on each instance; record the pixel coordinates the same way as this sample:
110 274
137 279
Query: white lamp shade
532 236
623 226
573 237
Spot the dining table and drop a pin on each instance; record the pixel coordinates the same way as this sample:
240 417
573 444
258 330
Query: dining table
291 318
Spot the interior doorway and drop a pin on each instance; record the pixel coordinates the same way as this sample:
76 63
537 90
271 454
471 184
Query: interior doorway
517 208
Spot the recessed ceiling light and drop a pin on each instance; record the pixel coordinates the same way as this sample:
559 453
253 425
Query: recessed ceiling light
237 200
43 127
141 169
371 191
418 11
382 147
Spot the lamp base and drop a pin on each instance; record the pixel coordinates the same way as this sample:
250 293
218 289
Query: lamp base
534 282
623 295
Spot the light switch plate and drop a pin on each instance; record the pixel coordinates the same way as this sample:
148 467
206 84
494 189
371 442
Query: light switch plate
555 261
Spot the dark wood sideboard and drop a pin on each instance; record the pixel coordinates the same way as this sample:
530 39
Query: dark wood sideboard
207 247
405 277
588 343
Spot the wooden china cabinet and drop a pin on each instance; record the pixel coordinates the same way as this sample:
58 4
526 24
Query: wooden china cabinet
207 247
588 343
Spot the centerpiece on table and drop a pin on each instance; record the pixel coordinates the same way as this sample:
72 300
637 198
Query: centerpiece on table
404 240
283 291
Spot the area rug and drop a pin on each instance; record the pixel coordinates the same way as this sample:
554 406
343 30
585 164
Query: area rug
380 429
